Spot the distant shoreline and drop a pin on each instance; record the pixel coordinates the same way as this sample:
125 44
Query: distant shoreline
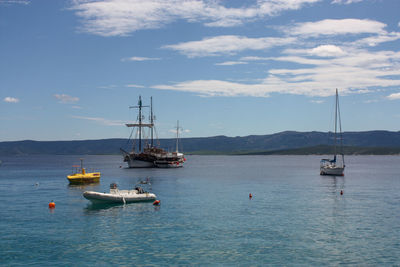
304 151
283 143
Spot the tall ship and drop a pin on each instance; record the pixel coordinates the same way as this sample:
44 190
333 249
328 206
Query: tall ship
336 165
144 153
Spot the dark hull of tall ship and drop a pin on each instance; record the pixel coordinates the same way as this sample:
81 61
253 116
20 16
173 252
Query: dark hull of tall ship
139 160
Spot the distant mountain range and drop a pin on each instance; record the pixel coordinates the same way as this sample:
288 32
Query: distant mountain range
288 142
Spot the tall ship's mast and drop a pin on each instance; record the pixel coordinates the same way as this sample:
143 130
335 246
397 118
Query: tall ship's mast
140 123
177 137
151 121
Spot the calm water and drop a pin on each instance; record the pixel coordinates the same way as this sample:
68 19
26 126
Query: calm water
296 216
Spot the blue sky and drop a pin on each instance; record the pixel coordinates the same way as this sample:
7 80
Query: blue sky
71 69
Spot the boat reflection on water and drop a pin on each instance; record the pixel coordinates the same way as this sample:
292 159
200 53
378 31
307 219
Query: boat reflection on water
83 187
103 206
334 184
114 209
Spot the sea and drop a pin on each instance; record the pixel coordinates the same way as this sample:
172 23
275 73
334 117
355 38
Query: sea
295 216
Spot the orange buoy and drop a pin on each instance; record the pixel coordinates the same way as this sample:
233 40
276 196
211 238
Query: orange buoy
341 192
250 195
156 202
52 205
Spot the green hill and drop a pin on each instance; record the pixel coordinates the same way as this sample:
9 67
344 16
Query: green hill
289 142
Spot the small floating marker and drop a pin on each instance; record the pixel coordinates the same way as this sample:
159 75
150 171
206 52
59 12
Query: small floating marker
157 202
120 166
52 205
341 192
250 195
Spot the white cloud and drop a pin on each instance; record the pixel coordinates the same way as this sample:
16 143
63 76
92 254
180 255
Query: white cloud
319 51
10 99
394 96
9 2
233 44
317 101
230 63
376 40
346 2
111 86
351 70
65 99
122 17
180 131
140 58
102 121
134 86
254 58
227 44
336 27
327 51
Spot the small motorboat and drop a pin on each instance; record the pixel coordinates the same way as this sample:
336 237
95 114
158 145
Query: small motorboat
80 176
119 196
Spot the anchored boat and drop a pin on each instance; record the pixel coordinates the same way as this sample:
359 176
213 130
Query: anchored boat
119 196
80 176
148 155
335 166
171 159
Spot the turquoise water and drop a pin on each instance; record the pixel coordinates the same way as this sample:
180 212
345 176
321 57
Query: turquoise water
296 216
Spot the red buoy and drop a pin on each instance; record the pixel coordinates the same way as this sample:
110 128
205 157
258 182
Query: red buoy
156 202
250 195
52 205
341 192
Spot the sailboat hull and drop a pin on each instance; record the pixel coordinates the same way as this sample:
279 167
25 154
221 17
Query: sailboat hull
338 171
166 164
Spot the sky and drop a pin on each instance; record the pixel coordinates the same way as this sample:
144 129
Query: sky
70 70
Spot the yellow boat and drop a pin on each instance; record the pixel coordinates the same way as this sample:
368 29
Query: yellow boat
82 177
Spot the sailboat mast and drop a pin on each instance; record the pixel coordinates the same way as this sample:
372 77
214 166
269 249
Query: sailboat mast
140 124
177 135
341 133
151 119
336 110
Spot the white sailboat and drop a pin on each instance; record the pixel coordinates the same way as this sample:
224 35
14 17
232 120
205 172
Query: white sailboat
171 159
336 165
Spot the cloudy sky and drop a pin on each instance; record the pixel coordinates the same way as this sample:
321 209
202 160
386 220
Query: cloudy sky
71 69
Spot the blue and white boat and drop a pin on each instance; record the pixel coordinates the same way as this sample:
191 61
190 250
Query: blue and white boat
119 196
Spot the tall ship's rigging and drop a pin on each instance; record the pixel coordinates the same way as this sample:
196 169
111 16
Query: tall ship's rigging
147 154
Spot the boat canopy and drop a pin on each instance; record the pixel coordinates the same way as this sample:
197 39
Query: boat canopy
329 160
